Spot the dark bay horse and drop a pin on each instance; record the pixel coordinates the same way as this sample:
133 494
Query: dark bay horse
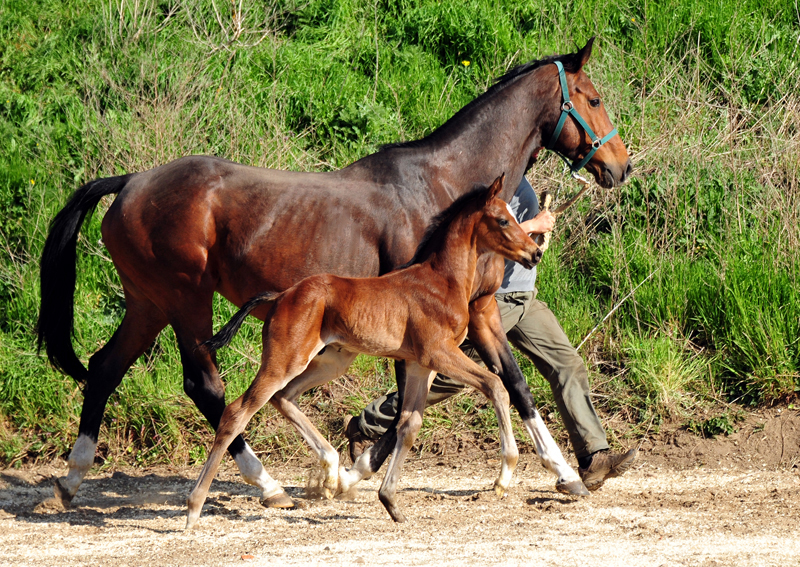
199 225
418 314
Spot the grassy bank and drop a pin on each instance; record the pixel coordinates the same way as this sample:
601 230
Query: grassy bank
706 232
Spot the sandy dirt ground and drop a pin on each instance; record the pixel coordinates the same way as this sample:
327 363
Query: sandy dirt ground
739 509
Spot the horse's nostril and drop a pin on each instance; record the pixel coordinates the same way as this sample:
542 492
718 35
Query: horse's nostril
537 256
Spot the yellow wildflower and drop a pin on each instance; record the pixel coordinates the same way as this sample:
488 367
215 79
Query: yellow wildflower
465 63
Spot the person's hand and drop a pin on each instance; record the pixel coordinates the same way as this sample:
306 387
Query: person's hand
541 223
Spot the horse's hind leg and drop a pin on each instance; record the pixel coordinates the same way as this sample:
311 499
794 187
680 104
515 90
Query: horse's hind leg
273 375
140 326
202 384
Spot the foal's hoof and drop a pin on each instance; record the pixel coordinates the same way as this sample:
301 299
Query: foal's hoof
62 494
500 490
280 500
396 514
573 488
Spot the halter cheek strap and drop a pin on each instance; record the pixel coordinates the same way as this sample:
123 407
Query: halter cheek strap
568 109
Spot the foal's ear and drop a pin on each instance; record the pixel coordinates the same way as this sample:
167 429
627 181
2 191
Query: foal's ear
583 55
495 188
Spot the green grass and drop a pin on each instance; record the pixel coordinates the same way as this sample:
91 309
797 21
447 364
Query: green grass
704 94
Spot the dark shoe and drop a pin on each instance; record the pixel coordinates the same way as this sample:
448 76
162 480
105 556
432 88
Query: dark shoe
605 465
358 441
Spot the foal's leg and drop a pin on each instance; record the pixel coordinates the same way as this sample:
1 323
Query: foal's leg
202 384
452 362
371 460
139 328
322 369
290 340
271 377
414 395
487 335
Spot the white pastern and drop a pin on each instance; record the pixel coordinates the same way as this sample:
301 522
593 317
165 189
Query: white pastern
253 472
329 462
360 470
504 480
548 451
80 461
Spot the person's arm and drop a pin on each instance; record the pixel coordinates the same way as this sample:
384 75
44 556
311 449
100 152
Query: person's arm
541 223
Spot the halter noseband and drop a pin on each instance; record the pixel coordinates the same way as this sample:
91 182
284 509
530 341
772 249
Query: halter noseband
568 108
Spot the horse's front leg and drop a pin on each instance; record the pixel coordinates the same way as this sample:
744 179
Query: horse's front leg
323 368
487 335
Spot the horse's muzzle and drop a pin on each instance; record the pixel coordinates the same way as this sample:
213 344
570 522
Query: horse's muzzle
534 259
612 176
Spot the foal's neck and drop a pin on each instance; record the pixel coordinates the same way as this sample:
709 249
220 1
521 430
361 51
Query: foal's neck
457 258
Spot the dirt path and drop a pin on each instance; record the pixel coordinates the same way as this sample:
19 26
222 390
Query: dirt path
652 516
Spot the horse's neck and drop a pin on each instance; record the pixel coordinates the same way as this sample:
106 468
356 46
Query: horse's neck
496 135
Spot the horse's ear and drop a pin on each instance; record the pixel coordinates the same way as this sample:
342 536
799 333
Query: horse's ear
495 188
583 55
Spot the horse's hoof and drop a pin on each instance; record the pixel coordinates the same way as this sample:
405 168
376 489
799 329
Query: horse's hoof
280 500
573 488
499 490
62 494
396 515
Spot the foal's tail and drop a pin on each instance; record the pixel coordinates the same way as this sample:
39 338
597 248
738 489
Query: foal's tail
57 275
226 333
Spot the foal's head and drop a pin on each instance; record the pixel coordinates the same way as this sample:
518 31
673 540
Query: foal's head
498 230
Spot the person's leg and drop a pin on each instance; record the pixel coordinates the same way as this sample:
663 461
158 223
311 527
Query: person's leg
540 337
378 415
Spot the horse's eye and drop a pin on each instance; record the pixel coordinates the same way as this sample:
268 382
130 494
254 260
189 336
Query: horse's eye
503 223
595 102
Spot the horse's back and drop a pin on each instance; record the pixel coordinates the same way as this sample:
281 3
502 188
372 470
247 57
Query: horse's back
205 224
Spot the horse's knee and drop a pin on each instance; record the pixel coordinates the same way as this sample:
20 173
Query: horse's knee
408 427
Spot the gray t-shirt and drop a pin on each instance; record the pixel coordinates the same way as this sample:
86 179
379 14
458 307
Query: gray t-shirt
524 206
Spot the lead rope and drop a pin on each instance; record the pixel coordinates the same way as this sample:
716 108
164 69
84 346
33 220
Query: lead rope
546 199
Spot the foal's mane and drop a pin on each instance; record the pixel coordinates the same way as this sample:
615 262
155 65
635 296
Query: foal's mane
435 234
571 64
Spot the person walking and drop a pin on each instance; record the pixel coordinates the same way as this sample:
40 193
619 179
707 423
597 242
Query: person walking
534 330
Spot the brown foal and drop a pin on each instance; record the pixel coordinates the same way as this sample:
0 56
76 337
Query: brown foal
418 314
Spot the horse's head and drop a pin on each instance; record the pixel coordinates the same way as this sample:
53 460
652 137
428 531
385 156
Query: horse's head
500 232
609 162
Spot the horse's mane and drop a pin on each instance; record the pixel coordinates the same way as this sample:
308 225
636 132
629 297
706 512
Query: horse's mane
571 65
437 229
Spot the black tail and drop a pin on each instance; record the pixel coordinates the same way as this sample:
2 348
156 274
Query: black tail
57 276
226 334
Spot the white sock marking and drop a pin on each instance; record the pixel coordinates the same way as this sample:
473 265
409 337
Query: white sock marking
80 461
548 451
253 472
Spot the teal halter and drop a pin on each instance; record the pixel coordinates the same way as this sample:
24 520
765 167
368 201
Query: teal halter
568 108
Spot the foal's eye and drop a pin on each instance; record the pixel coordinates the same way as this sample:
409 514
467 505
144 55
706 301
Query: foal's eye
595 102
503 223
